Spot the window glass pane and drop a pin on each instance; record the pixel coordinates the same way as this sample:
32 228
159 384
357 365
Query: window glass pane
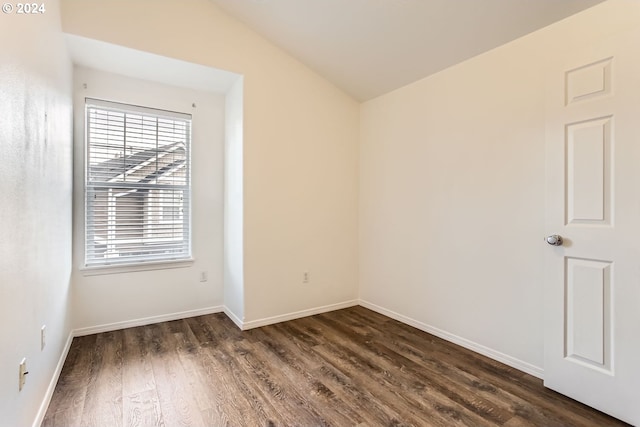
138 185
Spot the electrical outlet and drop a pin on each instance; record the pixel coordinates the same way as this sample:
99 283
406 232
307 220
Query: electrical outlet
43 337
305 277
22 374
204 276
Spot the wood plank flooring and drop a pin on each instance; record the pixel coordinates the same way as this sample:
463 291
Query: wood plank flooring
350 367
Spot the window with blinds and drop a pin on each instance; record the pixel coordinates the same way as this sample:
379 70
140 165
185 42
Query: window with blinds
137 184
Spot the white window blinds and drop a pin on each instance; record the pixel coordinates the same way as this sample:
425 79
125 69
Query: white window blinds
137 184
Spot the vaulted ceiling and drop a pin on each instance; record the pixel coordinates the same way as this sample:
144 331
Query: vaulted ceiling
370 47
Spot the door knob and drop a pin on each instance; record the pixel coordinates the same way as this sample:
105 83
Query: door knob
554 240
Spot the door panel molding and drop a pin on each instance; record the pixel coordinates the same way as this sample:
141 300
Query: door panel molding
588 148
588 313
588 81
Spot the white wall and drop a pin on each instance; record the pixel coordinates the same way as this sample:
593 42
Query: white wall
452 201
300 148
35 212
105 299
233 205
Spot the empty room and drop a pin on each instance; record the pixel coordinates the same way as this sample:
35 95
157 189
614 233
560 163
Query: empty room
319 212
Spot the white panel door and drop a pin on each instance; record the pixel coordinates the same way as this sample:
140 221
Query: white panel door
592 289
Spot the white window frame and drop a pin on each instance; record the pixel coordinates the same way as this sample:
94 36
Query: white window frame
172 251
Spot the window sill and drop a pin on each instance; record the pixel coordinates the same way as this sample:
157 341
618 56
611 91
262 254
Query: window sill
132 268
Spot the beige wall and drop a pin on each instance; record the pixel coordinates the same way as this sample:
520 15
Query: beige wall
300 148
452 193
35 212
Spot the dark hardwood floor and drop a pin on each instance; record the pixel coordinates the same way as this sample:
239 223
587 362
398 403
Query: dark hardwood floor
344 368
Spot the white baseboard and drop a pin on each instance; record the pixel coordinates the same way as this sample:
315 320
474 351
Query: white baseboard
296 315
52 384
463 342
146 321
231 315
